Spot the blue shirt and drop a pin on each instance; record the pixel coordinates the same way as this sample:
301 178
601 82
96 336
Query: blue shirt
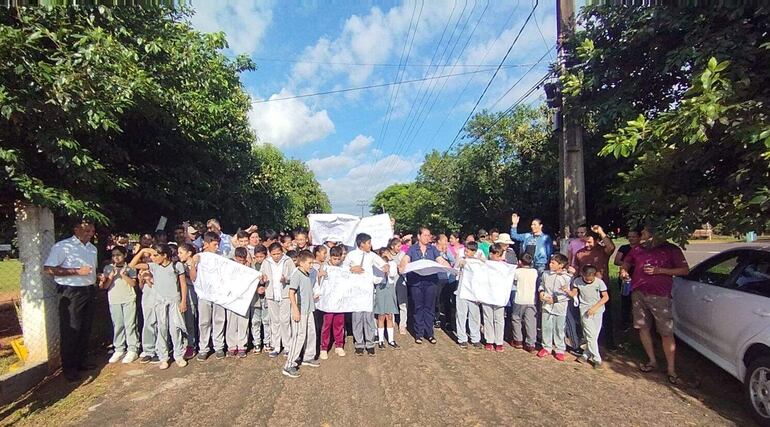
540 246
414 253
225 244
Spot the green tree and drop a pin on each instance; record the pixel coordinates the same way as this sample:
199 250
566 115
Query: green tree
413 206
688 130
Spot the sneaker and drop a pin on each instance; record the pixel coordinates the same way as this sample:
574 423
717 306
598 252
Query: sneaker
402 331
359 352
311 363
163 365
291 372
273 354
233 352
530 348
542 353
463 345
130 357
241 354
340 352
189 353
324 355
394 346
581 359
597 365
517 344
219 354
499 348
181 362
381 345
370 351
257 350
155 359
116 356
478 345
268 349
145 359
559 357
489 347
202 356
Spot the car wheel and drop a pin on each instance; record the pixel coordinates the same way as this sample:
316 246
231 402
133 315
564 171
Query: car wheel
757 389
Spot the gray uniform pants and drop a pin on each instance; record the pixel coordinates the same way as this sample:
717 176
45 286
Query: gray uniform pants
364 329
494 323
164 310
467 311
302 337
524 315
260 323
211 324
124 326
149 327
237 335
591 328
553 332
280 323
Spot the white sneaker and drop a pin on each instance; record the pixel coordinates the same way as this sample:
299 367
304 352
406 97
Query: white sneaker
340 352
116 356
130 357
324 355
181 363
163 365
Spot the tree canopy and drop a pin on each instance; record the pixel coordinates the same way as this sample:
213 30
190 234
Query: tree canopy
125 114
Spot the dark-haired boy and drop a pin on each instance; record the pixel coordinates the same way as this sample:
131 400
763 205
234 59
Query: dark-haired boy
360 261
303 332
211 317
260 317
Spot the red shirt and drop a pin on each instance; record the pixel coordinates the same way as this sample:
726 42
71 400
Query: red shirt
596 257
666 255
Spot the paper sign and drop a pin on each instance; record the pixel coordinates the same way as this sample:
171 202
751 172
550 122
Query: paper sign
161 223
345 292
488 282
332 227
377 226
226 282
426 267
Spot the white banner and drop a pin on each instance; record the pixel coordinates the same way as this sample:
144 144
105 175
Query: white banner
344 228
345 292
226 282
426 267
488 282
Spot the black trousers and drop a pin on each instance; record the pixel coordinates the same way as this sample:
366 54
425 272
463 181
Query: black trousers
76 315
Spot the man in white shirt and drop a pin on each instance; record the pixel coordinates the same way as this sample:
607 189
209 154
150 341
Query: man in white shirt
72 263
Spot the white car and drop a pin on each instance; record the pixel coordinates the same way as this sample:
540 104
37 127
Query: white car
722 310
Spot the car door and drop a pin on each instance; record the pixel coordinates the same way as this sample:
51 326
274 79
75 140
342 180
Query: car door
694 296
741 308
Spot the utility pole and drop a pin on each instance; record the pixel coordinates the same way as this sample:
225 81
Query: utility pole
362 203
572 203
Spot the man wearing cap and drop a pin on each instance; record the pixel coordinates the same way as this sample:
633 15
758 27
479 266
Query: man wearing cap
504 239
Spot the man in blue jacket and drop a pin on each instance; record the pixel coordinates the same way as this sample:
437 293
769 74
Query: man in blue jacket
538 244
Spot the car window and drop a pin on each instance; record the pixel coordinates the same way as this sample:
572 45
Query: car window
718 271
754 276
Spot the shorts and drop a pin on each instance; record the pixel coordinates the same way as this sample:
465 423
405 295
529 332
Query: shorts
646 307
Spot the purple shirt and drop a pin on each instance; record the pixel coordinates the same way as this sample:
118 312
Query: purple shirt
666 255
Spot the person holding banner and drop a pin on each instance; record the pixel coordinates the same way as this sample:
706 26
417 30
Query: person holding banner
465 310
333 323
363 261
422 289
494 315
211 316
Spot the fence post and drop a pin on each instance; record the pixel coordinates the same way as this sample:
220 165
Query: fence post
39 301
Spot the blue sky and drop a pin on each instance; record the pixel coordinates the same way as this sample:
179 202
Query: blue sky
359 142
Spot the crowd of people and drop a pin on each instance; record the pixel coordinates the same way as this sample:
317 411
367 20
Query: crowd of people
558 301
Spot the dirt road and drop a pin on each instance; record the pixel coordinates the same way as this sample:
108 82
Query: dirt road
419 385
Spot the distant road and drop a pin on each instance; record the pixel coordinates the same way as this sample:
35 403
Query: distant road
697 252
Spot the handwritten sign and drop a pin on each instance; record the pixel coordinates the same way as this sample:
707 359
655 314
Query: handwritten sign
226 282
487 282
332 228
377 226
345 292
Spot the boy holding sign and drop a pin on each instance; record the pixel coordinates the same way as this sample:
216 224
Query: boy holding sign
303 322
333 323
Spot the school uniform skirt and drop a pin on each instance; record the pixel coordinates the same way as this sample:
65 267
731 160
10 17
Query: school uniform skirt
385 299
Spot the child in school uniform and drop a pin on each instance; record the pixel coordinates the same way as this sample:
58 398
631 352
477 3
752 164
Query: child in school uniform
149 332
494 315
524 309
467 311
277 269
303 331
591 291
260 317
237 329
211 317
171 300
360 261
554 299
185 253
402 293
333 323
119 280
385 303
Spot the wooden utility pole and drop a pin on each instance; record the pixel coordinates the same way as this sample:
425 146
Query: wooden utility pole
572 203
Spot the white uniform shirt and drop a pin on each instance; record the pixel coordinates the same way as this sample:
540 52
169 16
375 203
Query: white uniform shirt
72 253
367 260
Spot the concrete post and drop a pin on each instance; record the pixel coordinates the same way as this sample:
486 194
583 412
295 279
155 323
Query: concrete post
39 301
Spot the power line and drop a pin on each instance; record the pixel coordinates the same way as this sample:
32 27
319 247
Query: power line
351 89
478 101
362 64
521 78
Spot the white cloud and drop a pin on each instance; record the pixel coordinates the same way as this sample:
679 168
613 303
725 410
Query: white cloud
352 153
290 122
358 145
244 21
